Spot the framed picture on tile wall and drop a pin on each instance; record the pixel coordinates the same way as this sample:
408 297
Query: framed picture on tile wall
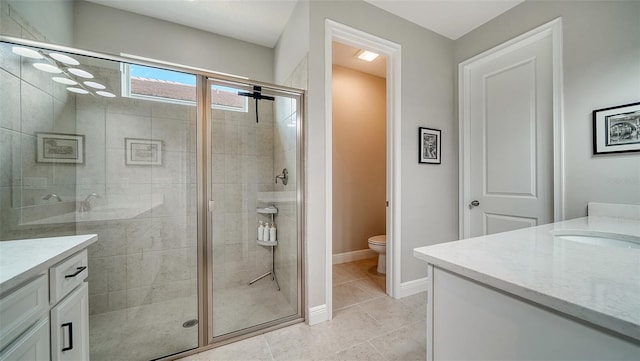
616 129
429 150
143 151
59 148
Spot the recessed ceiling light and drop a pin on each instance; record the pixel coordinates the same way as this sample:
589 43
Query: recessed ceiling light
81 73
366 55
47 68
65 81
94 85
26 52
77 90
105 94
64 59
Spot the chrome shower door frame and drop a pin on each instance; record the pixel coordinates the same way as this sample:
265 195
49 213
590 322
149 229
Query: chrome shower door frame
204 85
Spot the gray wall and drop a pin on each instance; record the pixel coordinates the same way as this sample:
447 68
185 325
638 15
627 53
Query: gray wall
114 31
429 193
601 58
293 43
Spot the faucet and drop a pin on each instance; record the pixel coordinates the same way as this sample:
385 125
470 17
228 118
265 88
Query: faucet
85 206
284 177
52 195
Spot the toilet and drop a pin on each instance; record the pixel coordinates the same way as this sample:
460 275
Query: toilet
379 244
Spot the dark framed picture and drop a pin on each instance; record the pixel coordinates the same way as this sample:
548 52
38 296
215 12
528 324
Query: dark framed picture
429 150
143 151
616 129
59 148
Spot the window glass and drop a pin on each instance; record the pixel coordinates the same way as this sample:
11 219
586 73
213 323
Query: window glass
145 82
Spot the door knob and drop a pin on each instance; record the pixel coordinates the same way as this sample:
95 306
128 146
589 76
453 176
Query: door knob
474 203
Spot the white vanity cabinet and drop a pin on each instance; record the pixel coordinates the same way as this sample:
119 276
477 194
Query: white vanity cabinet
44 300
69 296
24 325
532 294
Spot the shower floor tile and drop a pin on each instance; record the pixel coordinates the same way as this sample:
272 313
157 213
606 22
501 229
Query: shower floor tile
244 306
375 328
143 333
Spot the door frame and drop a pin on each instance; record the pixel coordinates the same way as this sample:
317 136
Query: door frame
357 38
551 29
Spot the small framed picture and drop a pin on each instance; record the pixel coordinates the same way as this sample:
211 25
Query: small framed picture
616 129
59 148
429 151
143 151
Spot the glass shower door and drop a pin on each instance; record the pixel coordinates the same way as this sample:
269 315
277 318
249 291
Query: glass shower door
253 179
89 145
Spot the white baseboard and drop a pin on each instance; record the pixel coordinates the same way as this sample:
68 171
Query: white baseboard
318 314
412 287
353 256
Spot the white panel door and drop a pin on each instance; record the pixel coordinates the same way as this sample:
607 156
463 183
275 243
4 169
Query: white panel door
511 139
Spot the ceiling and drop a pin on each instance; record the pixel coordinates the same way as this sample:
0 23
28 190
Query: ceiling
451 18
262 21
255 21
344 55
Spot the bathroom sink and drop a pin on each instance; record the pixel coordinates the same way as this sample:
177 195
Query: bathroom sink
599 238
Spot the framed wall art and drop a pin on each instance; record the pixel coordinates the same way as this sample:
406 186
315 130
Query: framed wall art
60 148
143 151
616 129
429 150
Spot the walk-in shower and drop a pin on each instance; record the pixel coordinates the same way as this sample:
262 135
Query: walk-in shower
170 168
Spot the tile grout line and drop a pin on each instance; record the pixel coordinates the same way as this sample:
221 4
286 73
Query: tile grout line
373 345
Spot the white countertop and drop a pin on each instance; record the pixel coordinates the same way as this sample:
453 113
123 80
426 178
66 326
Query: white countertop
599 284
23 259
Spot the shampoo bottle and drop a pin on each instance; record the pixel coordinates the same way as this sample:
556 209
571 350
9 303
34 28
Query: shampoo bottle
261 232
272 233
266 232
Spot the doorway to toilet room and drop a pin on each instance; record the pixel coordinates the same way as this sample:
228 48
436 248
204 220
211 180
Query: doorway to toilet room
359 174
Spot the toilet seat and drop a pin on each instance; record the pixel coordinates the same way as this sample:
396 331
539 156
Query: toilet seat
380 240
379 245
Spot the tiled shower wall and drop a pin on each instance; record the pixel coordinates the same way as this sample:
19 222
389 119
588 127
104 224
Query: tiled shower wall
284 153
151 257
242 166
31 102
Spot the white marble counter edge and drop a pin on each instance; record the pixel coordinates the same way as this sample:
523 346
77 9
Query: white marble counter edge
34 271
565 307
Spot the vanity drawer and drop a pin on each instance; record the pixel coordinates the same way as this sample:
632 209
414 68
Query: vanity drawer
22 308
67 275
33 345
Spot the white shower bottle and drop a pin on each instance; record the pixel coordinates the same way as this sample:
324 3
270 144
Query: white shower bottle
272 233
261 232
265 236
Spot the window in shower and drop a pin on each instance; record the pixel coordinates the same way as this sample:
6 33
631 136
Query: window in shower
150 83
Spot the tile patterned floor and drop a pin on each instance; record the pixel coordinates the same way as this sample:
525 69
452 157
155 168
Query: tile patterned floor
366 325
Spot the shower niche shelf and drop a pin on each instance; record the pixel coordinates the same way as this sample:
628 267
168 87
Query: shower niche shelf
267 210
268 243
272 210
